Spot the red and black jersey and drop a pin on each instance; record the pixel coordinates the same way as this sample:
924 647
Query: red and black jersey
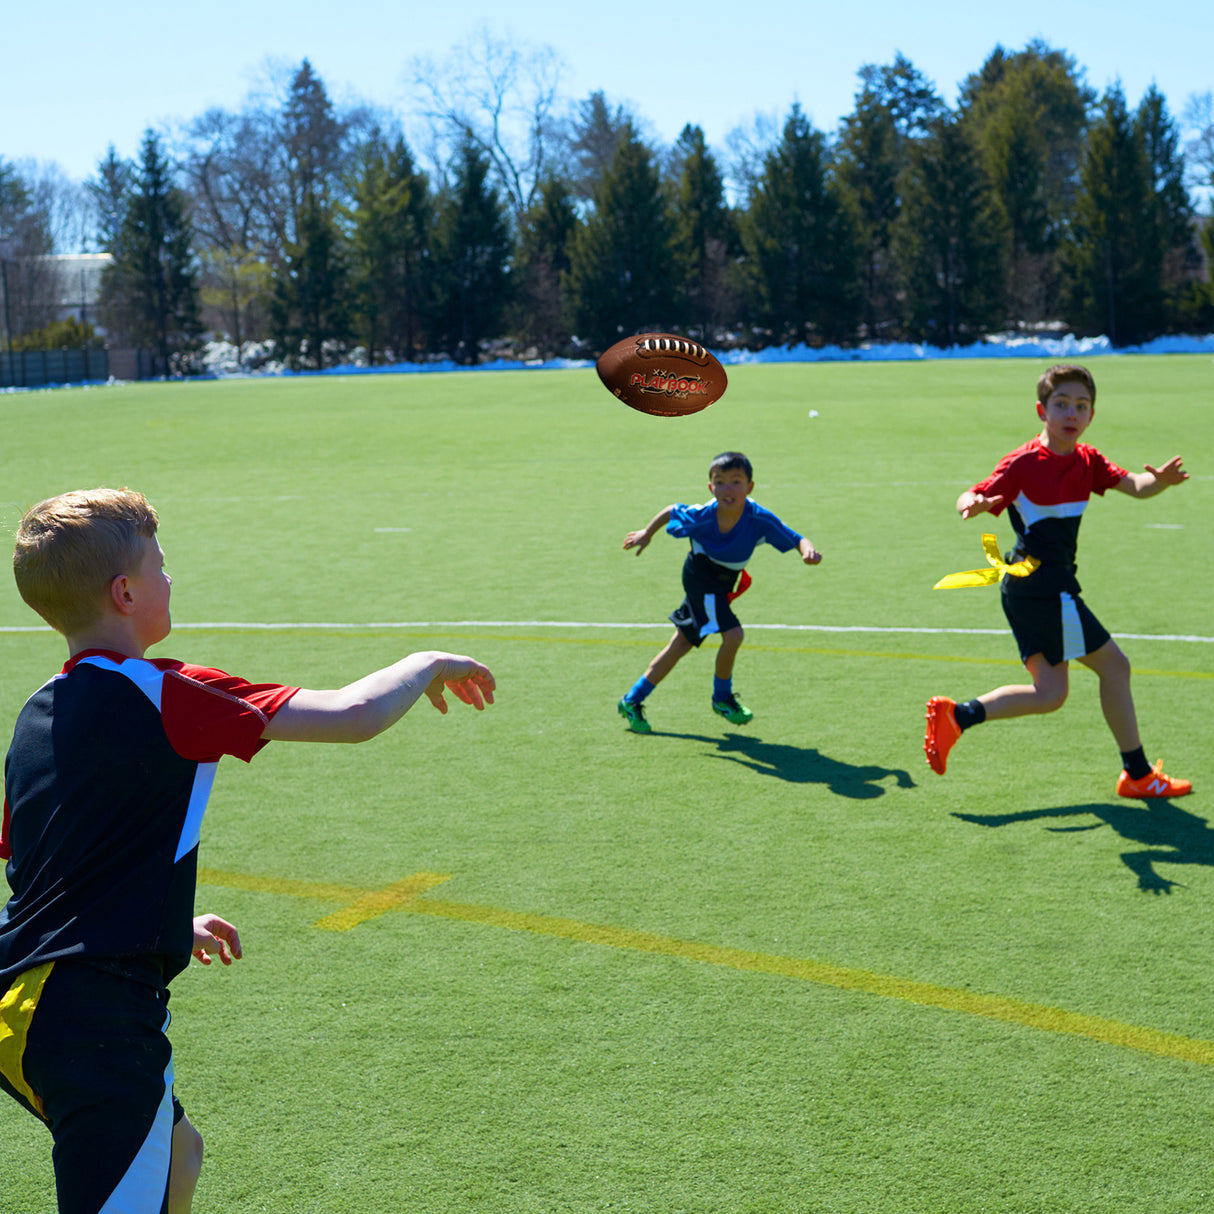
1046 496
106 783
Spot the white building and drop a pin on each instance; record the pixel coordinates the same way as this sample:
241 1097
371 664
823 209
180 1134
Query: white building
78 279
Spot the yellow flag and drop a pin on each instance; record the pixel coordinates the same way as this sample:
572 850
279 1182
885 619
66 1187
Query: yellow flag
988 577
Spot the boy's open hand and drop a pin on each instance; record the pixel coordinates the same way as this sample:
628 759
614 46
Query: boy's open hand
215 935
638 540
977 503
466 679
1170 474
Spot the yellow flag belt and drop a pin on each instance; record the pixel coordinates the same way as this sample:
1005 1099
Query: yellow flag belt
988 577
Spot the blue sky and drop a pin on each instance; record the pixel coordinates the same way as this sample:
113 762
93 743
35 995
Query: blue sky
77 76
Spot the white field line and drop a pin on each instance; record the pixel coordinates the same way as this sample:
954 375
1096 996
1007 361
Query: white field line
315 626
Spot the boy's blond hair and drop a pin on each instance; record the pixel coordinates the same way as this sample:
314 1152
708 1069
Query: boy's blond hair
71 547
1061 373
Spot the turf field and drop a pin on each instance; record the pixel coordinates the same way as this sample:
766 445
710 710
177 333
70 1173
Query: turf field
525 961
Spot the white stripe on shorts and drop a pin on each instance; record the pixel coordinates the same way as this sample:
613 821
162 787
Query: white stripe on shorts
1073 645
141 1190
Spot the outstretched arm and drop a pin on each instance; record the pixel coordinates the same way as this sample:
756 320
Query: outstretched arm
367 707
640 539
1153 480
970 503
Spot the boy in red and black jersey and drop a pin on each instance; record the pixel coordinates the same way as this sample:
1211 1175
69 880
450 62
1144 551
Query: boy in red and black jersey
105 787
1045 487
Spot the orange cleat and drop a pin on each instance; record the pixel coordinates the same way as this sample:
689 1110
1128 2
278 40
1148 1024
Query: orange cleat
942 732
1154 784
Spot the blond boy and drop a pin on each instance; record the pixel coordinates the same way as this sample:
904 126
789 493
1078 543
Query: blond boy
106 783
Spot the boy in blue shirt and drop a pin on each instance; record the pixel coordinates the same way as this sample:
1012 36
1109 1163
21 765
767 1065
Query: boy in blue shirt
724 534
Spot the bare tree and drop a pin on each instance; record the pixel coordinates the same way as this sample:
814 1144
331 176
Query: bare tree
228 161
748 147
500 97
1198 120
28 281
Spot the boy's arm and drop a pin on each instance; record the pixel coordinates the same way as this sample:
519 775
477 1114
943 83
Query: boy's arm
368 706
970 503
640 539
809 554
1153 480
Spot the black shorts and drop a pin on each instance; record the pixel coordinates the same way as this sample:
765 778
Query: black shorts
1059 626
706 608
97 1067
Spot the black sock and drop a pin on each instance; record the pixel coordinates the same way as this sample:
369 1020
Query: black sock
1136 765
972 712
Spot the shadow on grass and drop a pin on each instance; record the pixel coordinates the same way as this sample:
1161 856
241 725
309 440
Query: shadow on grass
1173 835
801 764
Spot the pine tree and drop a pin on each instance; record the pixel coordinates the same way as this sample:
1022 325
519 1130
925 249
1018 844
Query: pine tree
947 240
1171 212
470 253
389 219
149 294
310 302
620 274
1026 114
870 158
1115 256
801 236
540 314
310 287
705 235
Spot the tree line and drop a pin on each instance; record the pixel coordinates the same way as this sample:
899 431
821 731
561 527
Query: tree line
1032 201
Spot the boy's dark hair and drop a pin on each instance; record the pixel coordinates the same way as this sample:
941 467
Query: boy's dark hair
1061 373
728 460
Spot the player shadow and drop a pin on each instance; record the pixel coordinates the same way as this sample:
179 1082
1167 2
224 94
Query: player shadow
802 765
1172 835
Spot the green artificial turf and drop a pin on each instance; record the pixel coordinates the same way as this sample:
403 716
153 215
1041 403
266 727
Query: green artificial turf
622 996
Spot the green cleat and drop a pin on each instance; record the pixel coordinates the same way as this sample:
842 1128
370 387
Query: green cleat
634 715
733 710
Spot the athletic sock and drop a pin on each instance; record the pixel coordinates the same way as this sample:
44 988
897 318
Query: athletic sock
638 691
1135 762
722 689
971 712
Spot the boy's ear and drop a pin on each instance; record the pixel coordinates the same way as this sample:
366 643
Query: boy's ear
1040 411
121 595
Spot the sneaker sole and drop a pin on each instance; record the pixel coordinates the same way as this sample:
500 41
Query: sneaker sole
935 760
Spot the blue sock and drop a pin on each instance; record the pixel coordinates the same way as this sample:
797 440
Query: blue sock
638 691
722 689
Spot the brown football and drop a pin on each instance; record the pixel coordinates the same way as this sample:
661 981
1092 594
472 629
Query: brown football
662 374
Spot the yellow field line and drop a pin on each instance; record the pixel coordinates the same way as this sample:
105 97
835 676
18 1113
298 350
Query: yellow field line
360 905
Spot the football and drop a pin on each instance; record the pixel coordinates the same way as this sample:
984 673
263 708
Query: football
662 374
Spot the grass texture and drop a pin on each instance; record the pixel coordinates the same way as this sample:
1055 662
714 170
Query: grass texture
526 961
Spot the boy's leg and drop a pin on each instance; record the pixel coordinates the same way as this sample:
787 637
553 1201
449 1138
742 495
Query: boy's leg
1138 778
1047 693
731 642
724 702
98 1058
945 724
668 658
632 706
186 1166
1116 700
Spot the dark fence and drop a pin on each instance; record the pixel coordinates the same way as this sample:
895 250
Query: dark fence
36 368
